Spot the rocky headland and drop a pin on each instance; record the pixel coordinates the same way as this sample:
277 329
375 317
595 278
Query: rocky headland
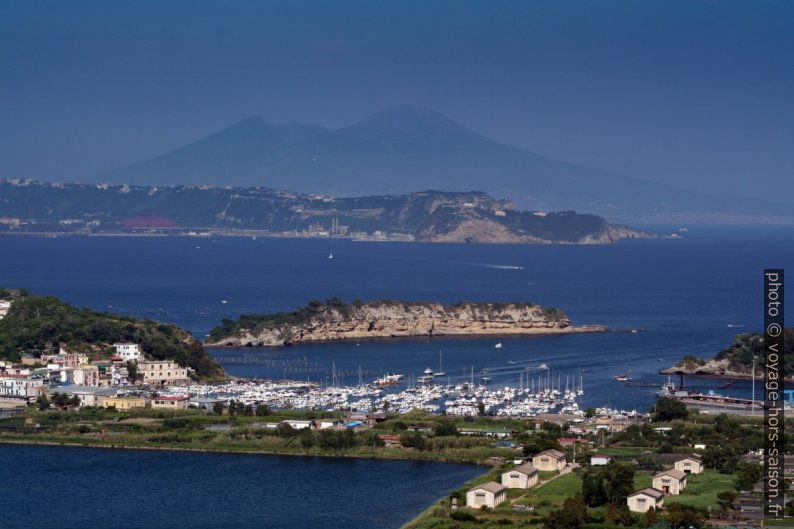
334 320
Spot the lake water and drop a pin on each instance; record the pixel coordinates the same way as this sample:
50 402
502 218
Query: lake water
688 296
65 488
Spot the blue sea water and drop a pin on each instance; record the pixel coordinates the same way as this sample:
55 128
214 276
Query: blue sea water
75 488
688 296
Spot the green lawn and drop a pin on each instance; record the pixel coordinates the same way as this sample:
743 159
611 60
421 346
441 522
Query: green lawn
553 493
701 489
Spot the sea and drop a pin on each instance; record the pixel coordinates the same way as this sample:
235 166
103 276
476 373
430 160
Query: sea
661 299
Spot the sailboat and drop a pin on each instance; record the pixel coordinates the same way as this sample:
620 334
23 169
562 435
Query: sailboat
439 373
330 256
498 346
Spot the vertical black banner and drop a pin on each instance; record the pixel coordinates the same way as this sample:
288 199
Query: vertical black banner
774 453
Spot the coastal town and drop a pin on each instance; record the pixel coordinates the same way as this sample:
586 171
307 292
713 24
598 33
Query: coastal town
547 457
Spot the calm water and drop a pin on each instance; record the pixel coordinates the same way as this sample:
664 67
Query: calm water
688 296
76 487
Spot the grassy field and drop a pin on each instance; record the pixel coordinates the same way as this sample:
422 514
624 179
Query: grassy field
552 494
701 489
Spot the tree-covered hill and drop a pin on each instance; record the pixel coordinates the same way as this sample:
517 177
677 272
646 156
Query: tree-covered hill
38 324
746 345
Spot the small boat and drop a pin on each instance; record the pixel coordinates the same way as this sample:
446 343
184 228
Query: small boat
498 346
622 378
330 256
543 366
486 379
439 373
224 302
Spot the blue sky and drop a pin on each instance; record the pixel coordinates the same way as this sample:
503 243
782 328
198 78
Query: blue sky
697 94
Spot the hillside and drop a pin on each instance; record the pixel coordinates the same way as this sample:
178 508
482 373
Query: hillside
37 324
737 360
404 149
430 216
335 320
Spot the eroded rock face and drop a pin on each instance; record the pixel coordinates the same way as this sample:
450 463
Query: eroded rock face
400 319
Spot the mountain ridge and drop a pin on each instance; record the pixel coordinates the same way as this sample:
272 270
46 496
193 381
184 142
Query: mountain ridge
405 148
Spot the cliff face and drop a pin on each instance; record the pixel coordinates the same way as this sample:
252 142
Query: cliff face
331 322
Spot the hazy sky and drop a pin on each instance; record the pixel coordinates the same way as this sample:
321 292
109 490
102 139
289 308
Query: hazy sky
699 94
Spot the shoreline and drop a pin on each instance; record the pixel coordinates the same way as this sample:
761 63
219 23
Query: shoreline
496 334
716 376
111 446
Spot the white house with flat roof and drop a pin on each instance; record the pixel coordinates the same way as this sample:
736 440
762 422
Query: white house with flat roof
129 352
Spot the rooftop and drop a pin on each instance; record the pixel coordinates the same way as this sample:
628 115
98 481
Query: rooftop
490 486
678 474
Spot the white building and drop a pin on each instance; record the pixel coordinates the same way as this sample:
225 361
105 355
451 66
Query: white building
129 352
600 459
5 306
549 460
488 494
521 477
161 372
690 465
88 395
670 481
171 402
645 500
21 387
299 424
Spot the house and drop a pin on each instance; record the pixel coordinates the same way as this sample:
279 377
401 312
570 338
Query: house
488 494
549 460
391 441
161 372
204 403
600 459
521 477
86 376
299 424
123 403
570 441
129 352
171 402
21 387
322 424
670 481
645 500
88 395
692 464
499 433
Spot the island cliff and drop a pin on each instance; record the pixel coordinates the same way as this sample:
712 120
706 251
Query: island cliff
335 320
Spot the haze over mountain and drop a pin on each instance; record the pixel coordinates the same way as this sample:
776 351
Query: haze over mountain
408 148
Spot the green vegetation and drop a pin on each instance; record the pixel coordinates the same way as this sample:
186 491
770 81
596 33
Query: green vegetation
37 325
117 208
334 308
702 490
745 346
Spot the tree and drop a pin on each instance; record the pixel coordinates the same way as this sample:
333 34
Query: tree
667 409
132 371
619 514
726 499
593 492
481 408
589 412
572 515
651 517
747 475
217 408
232 407
618 482
445 427
685 516
263 410
413 440
43 402
306 438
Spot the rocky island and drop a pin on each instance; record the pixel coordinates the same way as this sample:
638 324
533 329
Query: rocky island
736 362
335 320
